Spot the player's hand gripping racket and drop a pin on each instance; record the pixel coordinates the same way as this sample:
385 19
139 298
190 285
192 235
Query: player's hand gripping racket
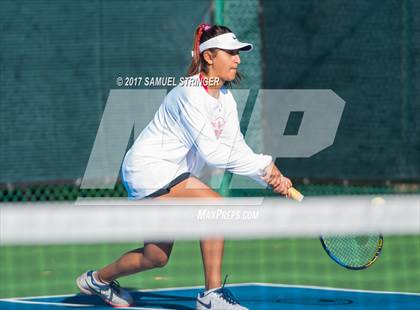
351 252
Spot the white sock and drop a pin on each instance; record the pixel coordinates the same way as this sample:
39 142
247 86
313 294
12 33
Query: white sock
211 290
96 277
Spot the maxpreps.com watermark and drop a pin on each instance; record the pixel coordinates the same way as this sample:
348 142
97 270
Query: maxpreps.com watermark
226 214
165 81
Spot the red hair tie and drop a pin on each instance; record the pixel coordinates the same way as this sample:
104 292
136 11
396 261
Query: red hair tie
201 29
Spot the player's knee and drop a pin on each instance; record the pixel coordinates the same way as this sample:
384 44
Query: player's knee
160 260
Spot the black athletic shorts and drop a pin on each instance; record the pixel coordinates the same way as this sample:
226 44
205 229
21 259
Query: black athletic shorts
165 190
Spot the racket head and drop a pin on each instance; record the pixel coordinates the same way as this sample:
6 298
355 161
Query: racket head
353 252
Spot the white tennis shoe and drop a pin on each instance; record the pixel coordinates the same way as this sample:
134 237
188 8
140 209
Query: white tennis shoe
219 299
111 293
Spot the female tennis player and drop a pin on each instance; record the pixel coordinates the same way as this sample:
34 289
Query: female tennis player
197 123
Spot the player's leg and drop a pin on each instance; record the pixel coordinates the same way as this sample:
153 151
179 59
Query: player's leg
152 255
102 282
156 254
215 297
211 249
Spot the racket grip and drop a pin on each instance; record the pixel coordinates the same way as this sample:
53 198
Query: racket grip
295 194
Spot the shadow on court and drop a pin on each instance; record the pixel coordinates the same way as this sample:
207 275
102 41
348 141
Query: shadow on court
142 299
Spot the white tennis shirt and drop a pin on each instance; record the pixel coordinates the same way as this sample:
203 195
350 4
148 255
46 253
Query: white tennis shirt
190 128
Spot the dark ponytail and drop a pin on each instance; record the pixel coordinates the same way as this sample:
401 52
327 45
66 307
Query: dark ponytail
195 52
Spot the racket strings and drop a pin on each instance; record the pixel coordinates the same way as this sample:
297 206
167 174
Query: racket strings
353 251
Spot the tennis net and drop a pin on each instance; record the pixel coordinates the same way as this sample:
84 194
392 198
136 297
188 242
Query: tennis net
270 241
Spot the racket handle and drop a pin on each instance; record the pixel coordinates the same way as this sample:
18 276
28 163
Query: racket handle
295 194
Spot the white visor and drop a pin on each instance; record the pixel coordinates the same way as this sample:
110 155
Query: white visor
226 41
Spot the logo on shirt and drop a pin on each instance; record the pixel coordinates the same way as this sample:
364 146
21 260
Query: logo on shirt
218 125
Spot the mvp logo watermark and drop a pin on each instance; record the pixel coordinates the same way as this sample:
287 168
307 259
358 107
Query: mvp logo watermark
128 111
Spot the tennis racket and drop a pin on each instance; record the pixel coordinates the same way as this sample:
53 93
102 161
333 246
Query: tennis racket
351 252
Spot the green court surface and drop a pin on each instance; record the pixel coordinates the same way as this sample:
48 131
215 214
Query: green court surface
50 270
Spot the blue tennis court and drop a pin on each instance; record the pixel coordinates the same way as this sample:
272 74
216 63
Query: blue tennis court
256 296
